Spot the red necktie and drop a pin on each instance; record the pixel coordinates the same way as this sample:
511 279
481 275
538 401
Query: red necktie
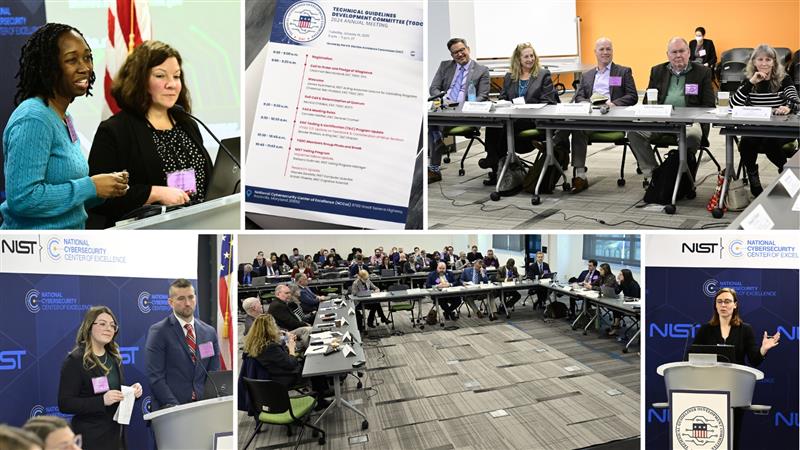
190 341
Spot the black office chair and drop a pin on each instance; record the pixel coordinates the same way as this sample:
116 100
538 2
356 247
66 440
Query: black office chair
795 70
784 55
407 305
273 405
471 133
730 69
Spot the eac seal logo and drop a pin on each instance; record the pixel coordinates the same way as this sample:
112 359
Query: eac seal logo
304 22
699 428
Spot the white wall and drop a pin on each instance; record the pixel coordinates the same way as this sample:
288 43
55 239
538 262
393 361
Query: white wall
250 244
565 256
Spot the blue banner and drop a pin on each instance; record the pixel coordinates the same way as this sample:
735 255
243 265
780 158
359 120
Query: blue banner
41 316
680 300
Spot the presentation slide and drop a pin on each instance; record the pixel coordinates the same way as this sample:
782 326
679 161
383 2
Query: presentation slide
338 117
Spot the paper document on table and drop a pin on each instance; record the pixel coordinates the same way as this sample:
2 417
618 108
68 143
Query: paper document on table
758 219
125 407
790 182
530 106
316 350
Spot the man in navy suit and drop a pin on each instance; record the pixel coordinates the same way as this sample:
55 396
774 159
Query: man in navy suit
540 269
477 275
591 276
443 278
180 351
358 266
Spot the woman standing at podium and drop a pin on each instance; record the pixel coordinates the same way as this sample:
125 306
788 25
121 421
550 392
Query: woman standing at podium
158 144
726 327
91 382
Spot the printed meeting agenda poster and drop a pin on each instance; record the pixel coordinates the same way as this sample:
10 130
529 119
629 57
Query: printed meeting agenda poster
339 113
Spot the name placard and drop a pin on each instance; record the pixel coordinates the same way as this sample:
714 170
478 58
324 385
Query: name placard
752 112
573 109
654 111
476 107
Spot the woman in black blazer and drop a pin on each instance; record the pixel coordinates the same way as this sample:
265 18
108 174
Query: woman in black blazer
727 327
91 380
148 137
527 80
702 50
629 288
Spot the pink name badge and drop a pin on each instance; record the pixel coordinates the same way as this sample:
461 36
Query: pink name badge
206 350
100 385
691 89
73 135
615 81
182 179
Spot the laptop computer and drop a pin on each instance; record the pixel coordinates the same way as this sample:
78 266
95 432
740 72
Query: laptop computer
608 292
226 177
387 272
259 281
223 380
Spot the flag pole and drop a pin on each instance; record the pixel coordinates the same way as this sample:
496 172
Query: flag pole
131 34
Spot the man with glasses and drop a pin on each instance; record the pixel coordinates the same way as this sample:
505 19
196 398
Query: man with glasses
453 79
180 351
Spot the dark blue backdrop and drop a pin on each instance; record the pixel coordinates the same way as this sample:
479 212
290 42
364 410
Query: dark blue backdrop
38 323
679 301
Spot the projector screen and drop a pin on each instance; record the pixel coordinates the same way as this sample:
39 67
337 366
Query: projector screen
547 24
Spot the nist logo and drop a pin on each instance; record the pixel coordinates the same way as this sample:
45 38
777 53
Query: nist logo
18 247
11 359
699 247
672 330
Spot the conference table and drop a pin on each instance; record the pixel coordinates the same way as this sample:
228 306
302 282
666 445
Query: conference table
628 307
336 364
635 118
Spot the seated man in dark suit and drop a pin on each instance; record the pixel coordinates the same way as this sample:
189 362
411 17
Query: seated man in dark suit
474 254
609 80
538 270
289 319
476 275
443 278
176 349
591 275
509 273
454 77
679 83
357 266
246 275
309 301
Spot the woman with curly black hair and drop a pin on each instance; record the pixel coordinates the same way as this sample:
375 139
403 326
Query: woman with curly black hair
47 177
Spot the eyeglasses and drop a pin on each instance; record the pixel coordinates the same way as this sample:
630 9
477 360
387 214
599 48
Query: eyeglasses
77 441
103 324
459 51
725 302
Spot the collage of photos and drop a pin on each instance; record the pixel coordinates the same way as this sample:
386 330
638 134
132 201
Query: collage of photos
401 224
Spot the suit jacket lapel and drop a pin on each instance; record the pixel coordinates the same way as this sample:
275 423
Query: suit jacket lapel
591 75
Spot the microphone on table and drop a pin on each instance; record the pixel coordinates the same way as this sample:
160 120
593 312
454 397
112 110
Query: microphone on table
438 96
180 109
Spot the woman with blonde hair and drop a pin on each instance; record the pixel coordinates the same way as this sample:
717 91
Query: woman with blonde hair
264 344
528 81
767 85
92 379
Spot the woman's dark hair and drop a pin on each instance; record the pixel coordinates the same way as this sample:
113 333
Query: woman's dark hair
39 69
701 30
130 87
606 270
627 277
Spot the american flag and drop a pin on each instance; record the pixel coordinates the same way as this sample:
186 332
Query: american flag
699 430
128 26
224 328
305 21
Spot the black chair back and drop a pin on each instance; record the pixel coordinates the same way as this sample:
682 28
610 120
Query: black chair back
731 75
735 55
268 396
784 55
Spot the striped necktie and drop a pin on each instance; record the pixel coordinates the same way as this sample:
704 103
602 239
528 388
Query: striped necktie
454 93
190 341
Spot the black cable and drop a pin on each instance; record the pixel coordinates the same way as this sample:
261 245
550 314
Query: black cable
568 218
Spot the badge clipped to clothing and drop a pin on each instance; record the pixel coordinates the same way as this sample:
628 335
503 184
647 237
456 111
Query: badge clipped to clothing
100 385
691 89
702 52
518 101
206 350
73 135
184 180
615 81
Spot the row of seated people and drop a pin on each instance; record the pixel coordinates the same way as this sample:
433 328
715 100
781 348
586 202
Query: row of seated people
40 433
396 261
681 82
